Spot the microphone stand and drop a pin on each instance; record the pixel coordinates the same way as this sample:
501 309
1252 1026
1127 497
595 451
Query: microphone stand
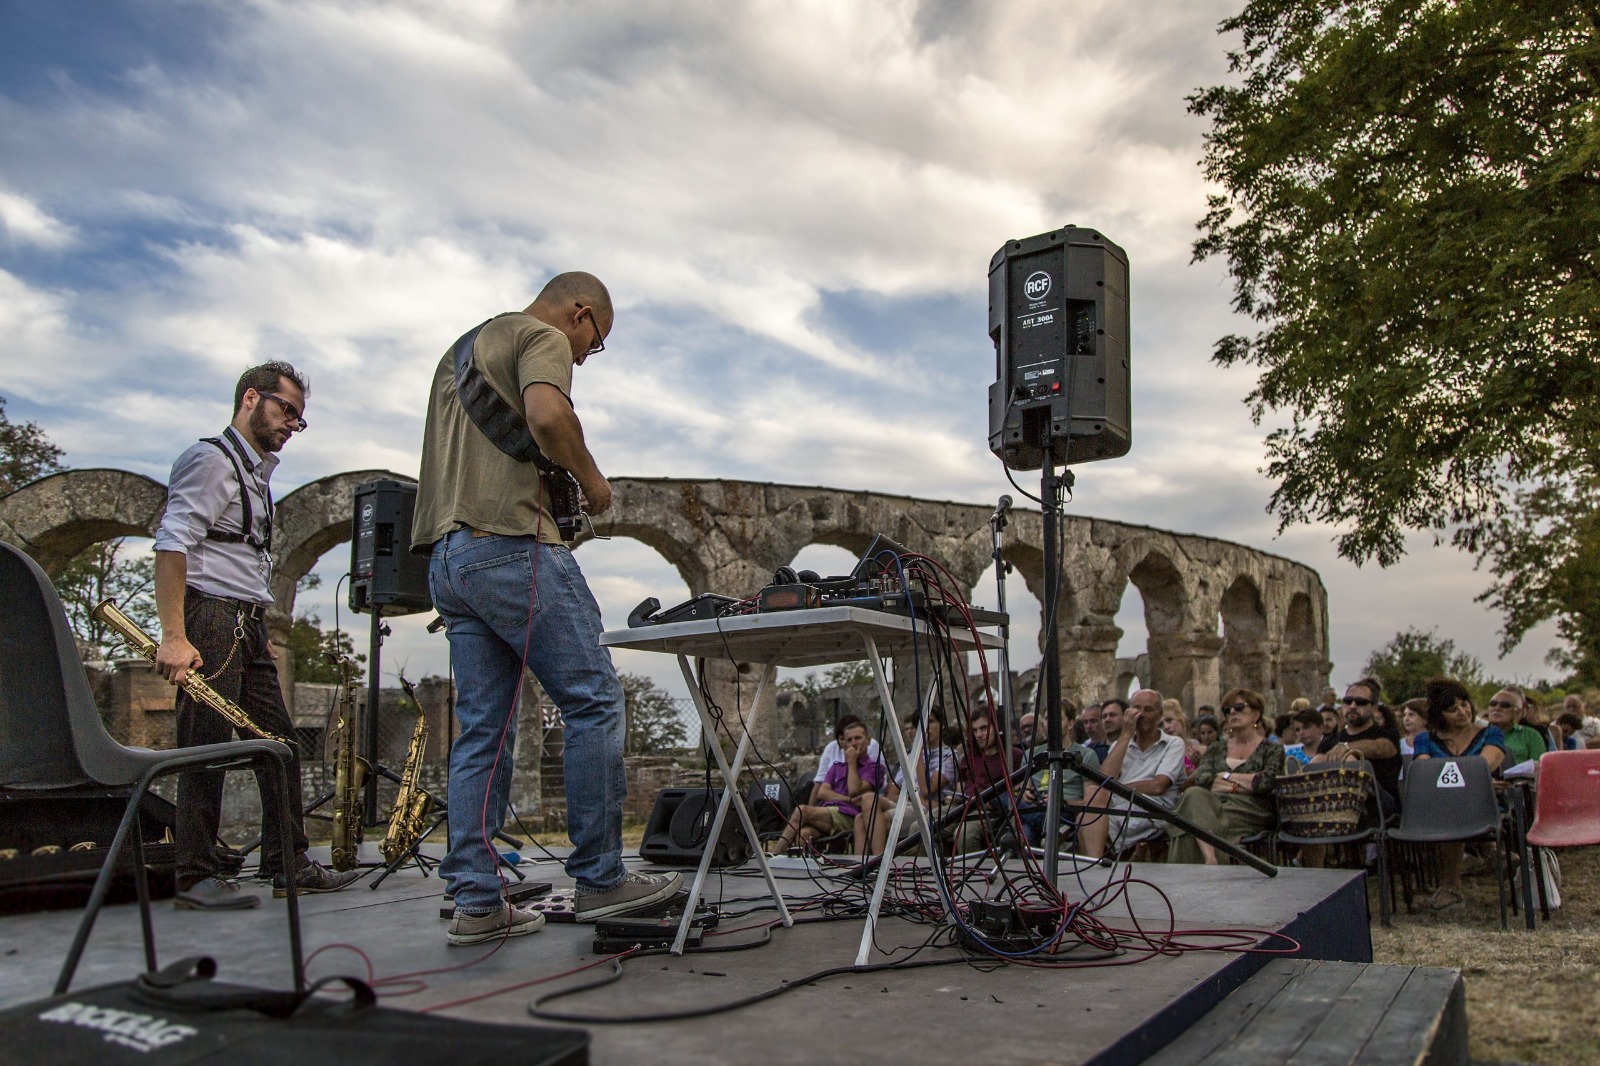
1010 720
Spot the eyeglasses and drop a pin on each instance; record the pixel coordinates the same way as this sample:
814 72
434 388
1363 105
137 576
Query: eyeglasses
290 411
1356 701
1239 707
599 344
1507 704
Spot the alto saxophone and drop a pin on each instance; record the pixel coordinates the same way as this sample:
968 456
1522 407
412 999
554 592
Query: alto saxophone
192 683
413 802
350 772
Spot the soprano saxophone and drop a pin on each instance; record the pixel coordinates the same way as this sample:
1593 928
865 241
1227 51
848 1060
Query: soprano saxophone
192 683
413 802
350 772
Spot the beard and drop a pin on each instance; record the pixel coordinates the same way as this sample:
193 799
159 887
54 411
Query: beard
268 438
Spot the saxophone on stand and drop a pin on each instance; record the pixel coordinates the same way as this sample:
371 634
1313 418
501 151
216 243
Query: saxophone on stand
350 773
145 646
412 804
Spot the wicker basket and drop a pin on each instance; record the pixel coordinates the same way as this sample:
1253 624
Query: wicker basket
1323 801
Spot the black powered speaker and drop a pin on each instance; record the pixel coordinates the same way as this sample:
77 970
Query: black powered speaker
679 823
1058 316
383 572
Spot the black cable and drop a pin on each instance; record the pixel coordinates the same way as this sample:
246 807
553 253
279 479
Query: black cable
536 1008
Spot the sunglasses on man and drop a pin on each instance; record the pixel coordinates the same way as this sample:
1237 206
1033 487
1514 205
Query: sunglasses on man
1355 701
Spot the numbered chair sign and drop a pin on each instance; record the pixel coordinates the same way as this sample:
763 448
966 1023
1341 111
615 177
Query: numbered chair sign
1451 777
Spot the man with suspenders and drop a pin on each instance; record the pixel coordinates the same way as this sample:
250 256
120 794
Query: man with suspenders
213 588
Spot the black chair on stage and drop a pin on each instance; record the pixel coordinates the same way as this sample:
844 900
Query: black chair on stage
52 738
1446 801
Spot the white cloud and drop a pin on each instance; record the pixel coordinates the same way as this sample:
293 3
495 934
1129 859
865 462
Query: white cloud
26 223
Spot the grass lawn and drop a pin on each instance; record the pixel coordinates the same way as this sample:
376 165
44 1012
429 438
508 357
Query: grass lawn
1531 997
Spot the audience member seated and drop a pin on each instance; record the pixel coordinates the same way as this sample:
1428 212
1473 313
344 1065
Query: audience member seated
1094 730
1589 735
936 778
1206 729
1145 759
838 799
1452 732
1332 718
984 763
832 754
1369 734
1523 743
1232 797
1310 741
1174 724
1035 794
1413 720
1571 729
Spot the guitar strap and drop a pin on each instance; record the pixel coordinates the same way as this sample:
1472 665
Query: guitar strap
497 419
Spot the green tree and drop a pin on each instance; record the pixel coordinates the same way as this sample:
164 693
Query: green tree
1410 213
1410 210
108 570
26 452
1405 664
1545 556
311 645
655 723
844 675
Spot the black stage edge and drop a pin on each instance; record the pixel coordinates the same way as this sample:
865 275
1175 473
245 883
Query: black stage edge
954 1013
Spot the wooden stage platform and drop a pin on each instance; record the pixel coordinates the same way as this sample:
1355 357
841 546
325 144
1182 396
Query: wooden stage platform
986 1013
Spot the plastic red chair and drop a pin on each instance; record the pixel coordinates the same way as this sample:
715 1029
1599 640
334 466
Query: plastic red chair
1567 808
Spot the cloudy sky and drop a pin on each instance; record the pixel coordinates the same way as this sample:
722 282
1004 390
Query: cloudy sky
794 205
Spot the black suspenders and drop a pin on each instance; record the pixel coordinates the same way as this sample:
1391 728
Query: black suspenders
237 460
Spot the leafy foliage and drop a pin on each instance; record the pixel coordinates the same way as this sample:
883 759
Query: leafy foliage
844 675
1545 556
1406 663
655 723
1411 213
311 646
106 571
25 453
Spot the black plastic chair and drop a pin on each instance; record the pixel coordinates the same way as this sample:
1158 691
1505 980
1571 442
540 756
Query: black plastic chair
1446 801
52 737
1373 828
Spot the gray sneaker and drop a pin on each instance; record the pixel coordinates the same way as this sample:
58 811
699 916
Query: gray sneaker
215 894
315 877
630 894
508 921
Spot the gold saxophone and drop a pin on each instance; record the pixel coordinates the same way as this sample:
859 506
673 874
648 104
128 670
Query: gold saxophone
350 772
140 641
413 802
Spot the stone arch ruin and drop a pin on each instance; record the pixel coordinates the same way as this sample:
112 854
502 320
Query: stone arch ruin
1219 613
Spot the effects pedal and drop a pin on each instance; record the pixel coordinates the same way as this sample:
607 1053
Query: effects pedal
526 892
652 927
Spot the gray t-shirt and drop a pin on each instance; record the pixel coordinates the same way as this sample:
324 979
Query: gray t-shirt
465 480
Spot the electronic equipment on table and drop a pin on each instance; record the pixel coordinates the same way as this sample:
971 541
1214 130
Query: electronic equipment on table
874 584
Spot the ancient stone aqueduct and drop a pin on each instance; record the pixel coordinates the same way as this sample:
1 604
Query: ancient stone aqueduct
1219 614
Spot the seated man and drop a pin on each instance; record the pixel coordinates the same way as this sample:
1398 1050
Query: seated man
1146 760
1035 794
837 799
984 764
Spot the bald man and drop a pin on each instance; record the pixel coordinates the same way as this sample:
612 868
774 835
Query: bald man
1145 759
511 595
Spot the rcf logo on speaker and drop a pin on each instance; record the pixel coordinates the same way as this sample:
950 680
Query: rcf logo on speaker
1037 287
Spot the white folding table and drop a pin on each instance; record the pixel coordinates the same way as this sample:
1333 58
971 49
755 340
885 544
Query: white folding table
796 639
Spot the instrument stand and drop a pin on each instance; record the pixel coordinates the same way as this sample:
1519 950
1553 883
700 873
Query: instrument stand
1011 721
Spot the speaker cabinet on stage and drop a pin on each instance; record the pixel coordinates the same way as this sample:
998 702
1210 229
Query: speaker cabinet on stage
679 823
383 572
1058 316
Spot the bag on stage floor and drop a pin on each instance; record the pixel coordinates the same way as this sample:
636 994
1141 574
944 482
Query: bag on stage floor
179 1015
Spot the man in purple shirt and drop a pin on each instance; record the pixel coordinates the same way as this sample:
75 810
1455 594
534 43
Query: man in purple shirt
845 799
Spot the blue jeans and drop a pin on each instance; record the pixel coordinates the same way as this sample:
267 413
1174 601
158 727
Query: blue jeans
503 598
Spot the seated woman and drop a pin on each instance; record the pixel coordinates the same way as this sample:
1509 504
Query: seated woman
1233 793
837 799
1453 732
1413 720
1174 724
